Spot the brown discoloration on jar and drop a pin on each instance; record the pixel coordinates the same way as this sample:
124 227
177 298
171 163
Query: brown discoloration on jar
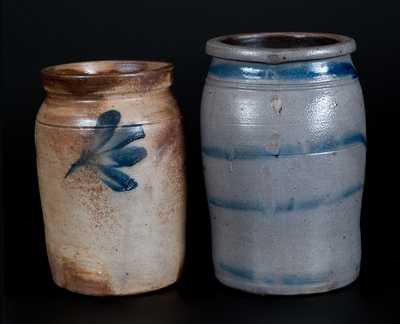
95 235
66 142
70 275
96 198
169 140
169 154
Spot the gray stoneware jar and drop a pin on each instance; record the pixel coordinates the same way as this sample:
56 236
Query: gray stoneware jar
284 146
109 146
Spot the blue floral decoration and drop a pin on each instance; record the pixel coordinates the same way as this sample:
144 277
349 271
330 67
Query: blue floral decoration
108 151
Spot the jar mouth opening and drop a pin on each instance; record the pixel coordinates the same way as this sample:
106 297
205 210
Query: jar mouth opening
280 47
114 68
279 41
107 77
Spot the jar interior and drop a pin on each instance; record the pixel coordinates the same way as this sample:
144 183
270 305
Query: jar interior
104 68
279 41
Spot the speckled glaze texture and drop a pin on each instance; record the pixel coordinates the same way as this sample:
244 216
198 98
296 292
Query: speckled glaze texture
284 146
110 163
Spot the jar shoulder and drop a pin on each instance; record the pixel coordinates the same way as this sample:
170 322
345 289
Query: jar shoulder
234 104
66 111
293 119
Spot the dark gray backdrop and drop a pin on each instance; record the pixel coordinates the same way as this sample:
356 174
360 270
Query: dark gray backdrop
36 34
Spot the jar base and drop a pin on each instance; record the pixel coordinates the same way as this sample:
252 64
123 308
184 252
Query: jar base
285 289
78 279
105 291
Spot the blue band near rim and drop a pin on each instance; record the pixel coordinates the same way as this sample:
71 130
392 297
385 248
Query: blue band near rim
297 71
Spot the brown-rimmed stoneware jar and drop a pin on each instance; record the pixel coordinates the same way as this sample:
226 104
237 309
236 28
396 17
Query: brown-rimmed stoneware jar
109 146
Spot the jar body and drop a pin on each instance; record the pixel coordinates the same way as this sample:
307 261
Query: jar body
112 186
284 156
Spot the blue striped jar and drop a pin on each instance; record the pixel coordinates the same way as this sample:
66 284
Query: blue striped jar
284 148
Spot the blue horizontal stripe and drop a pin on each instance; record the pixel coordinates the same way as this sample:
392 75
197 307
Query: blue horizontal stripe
237 205
286 279
258 152
297 71
288 206
244 274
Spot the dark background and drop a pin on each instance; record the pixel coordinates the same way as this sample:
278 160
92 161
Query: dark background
36 34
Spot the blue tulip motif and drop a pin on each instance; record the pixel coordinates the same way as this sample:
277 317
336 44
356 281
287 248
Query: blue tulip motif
108 151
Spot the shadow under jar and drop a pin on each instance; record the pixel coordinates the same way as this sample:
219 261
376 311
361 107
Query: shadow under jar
110 163
284 146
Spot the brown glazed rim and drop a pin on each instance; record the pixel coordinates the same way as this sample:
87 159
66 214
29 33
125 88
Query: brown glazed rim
107 77
280 47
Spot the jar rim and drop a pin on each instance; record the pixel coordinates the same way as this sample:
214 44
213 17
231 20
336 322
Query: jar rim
280 47
107 76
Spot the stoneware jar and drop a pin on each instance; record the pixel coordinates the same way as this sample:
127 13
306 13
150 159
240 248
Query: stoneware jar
109 148
284 144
